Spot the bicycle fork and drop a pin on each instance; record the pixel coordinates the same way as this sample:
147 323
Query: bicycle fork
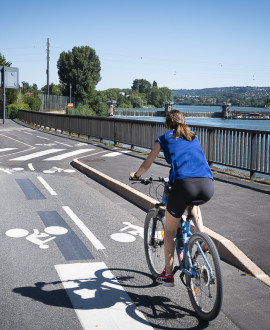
158 214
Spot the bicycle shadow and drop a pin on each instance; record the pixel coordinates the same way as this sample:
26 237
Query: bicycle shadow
102 293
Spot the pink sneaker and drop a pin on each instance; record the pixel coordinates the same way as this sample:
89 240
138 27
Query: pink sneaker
166 280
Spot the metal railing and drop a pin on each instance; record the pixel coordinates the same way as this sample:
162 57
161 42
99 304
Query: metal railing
238 148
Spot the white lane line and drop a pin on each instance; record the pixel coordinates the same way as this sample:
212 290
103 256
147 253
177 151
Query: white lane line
42 137
47 186
69 154
31 167
28 133
7 149
100 302
92 238
116 153
64 144
37 154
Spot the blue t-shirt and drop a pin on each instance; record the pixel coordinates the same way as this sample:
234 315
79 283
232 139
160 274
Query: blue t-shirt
186 158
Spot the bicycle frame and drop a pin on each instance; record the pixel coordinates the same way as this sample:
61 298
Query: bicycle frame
186 254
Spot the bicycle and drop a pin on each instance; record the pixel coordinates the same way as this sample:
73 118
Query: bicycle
198 258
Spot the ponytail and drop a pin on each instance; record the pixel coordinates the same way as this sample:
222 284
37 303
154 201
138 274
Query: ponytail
176 120
183 131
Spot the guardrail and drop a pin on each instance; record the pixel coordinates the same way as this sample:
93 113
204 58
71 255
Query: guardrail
238 148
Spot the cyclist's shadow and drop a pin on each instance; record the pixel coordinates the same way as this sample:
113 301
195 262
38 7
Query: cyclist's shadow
103 292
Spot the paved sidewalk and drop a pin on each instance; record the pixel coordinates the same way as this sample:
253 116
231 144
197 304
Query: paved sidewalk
237 217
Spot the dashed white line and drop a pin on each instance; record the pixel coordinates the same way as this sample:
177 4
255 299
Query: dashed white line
7 149
116 153
64 144
42 137
47 186
92 238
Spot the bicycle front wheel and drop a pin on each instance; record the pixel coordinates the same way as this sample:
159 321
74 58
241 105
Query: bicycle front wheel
154 229
206 289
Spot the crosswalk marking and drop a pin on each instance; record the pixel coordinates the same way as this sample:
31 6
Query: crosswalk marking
99 300
116 153
37 154
69 154
7 149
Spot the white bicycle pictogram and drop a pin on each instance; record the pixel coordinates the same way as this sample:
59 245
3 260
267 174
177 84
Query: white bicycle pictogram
36 236
129 237
55 169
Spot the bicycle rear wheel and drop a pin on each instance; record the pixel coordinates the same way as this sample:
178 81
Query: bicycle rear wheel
154 242
206 290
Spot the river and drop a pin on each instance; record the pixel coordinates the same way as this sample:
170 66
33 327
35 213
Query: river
259 124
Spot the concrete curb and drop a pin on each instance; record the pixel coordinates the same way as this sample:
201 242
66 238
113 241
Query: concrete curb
227 250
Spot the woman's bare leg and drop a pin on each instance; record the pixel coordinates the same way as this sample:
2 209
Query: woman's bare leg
172 224
197 216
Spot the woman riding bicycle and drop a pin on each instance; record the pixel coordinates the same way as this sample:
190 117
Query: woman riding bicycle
190 179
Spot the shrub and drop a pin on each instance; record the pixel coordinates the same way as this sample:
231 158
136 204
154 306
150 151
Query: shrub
34 102
12 109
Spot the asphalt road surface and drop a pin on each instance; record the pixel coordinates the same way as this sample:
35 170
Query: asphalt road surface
72 251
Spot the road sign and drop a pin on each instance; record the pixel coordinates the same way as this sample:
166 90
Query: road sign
9 77
70 105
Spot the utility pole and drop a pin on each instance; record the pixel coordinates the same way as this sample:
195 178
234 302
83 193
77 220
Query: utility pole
48 73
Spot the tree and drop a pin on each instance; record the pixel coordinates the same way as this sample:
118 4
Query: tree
3 61
136 100
141 85
79 68
11 94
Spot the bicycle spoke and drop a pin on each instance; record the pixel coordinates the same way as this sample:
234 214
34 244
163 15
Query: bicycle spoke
205 290
154 243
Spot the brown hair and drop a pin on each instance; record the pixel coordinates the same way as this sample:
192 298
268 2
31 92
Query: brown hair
176 120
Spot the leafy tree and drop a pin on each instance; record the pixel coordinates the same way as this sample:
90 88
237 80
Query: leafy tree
154 97
11 94
3 61
141 85
33 101
80 68
136 100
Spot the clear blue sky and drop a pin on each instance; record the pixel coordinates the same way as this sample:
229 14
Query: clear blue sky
177 43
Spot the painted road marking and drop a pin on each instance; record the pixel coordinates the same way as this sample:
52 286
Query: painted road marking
92 238
116 153
100 302
7 149
47 186
37 154
30 190
42 137
64 144
69 244
31 167
69 154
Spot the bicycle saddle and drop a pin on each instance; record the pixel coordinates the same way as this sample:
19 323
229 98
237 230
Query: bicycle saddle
196 202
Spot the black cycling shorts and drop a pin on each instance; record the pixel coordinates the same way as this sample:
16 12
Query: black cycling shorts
187 190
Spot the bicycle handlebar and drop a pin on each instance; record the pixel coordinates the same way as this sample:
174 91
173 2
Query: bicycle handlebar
149 180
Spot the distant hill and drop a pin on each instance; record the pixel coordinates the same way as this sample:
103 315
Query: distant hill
237 96
223 91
